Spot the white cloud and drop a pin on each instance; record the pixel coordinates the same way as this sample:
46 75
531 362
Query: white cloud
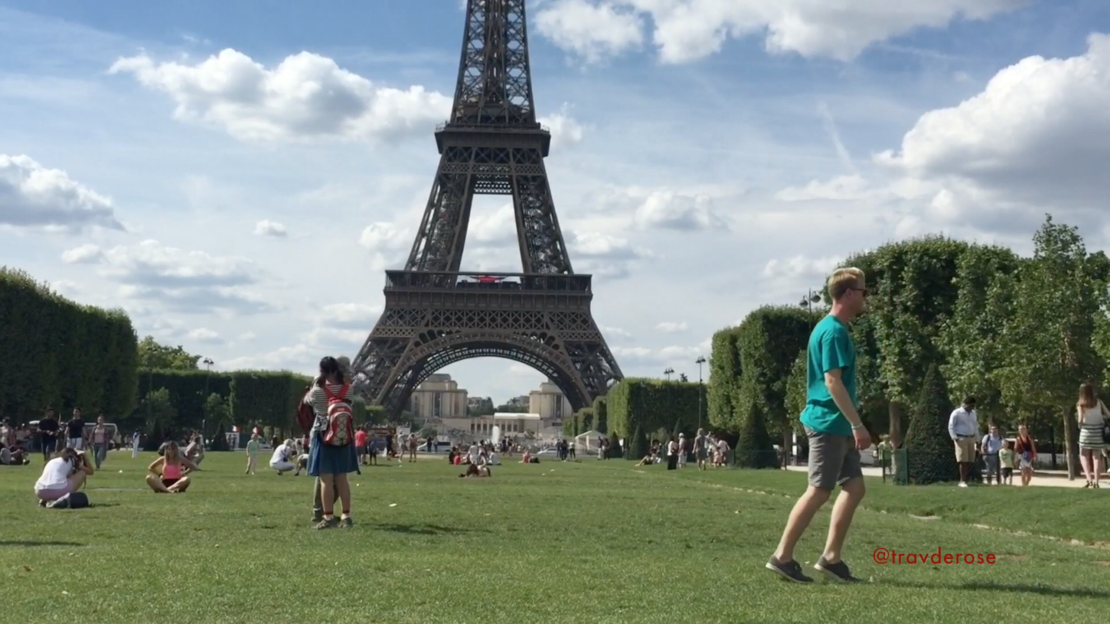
611 332
205 335
673 211
270 228
840 188
85 254
669 327
565 130
688 30
801 267
1036 135
591 30
358 316
33 196
187 281
307 96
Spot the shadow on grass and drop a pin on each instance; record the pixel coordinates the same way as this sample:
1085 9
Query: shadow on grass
1020 588
425 529
29 544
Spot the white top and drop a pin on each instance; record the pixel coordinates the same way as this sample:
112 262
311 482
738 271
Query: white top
672 447
55 475
281 454
473 452
1092 416
963 423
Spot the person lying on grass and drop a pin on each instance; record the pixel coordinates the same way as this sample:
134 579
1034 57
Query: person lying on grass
476 470
169 473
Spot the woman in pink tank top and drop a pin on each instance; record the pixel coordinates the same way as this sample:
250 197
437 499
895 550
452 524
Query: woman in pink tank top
170 473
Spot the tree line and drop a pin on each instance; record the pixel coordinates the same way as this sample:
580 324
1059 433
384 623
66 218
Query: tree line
1020 334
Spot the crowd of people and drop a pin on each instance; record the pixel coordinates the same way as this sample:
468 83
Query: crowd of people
709 450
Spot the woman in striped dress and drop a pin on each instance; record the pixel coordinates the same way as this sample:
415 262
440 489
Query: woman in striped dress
1093 416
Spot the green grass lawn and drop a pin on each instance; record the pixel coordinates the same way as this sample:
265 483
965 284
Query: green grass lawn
554 542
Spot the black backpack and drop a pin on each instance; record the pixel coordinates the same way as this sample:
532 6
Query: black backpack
73 500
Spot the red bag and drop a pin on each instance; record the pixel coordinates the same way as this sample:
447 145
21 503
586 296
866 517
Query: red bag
341 422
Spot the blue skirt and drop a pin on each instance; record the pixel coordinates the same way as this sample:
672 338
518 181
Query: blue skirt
328 459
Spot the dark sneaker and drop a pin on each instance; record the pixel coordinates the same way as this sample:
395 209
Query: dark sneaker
328 523
317 518
789 570
838 571
346 523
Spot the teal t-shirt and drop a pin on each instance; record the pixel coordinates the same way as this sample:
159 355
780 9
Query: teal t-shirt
830 348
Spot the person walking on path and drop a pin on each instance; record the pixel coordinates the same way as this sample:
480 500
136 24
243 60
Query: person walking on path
1093 417
835 432
991 446
963 427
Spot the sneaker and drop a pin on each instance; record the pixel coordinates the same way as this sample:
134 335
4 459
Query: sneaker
838 571
328 523
346 523
789 570
963 484
317 518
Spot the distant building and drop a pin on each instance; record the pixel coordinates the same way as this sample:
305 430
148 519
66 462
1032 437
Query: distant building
550 403
437 398
520 401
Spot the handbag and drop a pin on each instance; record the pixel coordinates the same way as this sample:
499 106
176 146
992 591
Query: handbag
73 500
1106 434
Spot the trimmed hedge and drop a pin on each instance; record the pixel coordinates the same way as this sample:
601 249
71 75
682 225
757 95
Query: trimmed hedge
62 354
768 343
601 414
255 398
724 379
930 455
651 405
585 418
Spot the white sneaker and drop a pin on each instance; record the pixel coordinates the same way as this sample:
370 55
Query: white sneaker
963 484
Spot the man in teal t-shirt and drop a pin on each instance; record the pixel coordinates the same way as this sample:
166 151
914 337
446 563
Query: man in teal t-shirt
836 434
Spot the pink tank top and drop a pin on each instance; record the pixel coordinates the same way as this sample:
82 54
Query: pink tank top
171 471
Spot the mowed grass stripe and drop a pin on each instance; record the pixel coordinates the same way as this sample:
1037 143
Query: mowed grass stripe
576 542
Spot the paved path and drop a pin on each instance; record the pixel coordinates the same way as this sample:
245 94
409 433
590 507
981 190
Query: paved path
1046 478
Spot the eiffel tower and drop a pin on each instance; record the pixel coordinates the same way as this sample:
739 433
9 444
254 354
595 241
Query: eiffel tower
436 315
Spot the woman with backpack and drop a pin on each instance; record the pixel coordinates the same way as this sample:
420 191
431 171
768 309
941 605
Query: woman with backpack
332 454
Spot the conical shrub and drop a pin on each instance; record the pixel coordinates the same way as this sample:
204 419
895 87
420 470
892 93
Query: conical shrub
930 456
754 447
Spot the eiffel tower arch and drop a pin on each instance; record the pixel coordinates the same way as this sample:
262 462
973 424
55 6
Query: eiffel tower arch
435 314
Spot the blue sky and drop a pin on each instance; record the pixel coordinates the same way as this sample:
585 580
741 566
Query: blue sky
252 223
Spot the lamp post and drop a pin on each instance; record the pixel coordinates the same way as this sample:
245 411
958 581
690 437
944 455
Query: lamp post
668 373
811 299
701 391
204 420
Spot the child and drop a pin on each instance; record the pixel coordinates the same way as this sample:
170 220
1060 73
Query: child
1006 460
252 453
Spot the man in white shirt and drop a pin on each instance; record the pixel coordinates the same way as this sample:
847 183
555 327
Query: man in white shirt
282 458
991 444
963 427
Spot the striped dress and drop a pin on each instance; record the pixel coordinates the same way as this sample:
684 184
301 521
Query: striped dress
1090 428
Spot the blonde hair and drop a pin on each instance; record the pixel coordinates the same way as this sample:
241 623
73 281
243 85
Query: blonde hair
844 279
1087 395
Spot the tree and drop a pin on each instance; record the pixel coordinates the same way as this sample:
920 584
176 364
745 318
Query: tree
161 416
914 291
768 342
482 406
682 378
217 410
160 357
972 339
795 399
724 379
930 455
1049 345
219 441
512 409
754 448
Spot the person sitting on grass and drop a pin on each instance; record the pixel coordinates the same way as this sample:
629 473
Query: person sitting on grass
169 474
63 475
13 455
480 469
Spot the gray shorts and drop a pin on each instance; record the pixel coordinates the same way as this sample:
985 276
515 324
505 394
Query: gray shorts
833 459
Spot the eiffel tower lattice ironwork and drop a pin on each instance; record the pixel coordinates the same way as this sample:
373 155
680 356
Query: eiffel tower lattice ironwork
436 315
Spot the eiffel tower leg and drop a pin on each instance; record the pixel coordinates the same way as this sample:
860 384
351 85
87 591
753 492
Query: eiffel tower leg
442 236
542 249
